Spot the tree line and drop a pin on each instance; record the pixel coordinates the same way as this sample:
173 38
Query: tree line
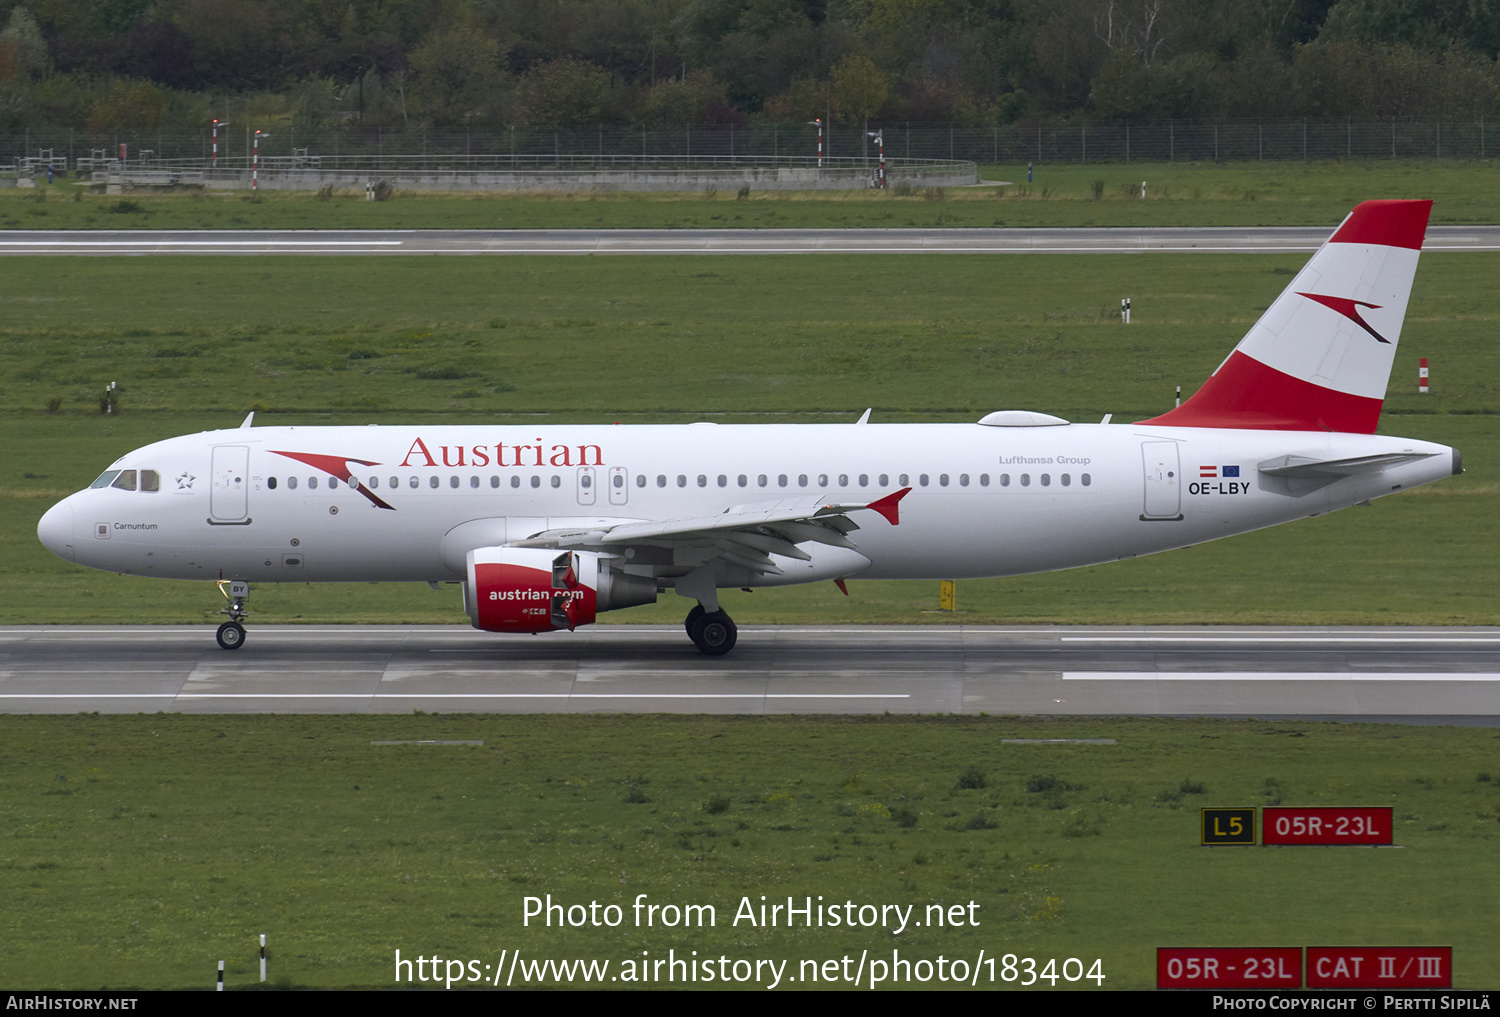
97 66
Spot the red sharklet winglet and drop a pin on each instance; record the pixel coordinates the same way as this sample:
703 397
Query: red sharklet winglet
337 466
889 506
842 588
1397 223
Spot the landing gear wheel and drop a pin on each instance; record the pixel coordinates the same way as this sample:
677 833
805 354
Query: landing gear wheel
692 619
231 635
714 634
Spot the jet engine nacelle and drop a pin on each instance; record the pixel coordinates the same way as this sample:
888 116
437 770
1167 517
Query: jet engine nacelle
520 589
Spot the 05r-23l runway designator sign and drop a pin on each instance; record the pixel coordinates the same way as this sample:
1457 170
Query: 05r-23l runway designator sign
1280 967
1327 826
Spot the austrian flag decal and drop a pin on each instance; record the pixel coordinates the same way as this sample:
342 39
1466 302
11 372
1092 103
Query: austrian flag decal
1215 472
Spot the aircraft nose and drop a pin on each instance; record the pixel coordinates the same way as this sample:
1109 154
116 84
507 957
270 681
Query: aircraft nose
55 530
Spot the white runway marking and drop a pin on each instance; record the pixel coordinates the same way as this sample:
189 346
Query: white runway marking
1331 638
1270 676
453 695
200 243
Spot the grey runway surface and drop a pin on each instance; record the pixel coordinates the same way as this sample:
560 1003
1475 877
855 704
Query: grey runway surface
695 241
1428 676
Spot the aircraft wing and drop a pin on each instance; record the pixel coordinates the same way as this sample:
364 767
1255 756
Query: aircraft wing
745 535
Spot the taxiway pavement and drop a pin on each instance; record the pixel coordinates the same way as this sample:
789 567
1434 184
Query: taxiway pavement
1295 239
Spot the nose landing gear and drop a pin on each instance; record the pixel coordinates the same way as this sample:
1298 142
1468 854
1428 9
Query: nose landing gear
231 634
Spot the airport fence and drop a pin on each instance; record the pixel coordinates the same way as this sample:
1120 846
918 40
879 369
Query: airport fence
1032 140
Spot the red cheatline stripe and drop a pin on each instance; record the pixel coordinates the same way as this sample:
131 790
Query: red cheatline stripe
1387 223
1246 393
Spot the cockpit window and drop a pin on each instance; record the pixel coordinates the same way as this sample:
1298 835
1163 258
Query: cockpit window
150 480
125 481
105 479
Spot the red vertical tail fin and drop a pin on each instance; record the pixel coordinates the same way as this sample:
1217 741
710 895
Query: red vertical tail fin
1320 357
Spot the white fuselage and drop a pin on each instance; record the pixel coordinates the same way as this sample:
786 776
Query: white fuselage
984 500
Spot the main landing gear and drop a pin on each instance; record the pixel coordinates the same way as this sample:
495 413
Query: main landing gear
713 632
231 634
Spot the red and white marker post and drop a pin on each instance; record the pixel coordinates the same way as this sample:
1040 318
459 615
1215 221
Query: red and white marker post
217 125
1422 376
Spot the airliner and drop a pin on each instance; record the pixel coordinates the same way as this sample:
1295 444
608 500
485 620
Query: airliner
547 526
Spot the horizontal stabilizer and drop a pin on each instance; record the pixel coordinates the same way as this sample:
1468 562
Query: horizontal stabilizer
1305 467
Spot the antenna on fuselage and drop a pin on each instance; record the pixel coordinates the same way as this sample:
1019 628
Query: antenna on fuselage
864 417
247 420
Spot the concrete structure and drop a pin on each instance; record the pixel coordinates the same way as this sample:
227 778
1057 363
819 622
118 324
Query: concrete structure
546 173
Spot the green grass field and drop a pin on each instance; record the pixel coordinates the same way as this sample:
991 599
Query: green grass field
1178 194
138 851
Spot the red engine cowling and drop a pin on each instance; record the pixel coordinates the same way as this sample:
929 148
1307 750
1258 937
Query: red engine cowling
517 589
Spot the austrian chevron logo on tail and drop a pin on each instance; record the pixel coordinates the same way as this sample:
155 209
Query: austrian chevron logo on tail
1349 309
